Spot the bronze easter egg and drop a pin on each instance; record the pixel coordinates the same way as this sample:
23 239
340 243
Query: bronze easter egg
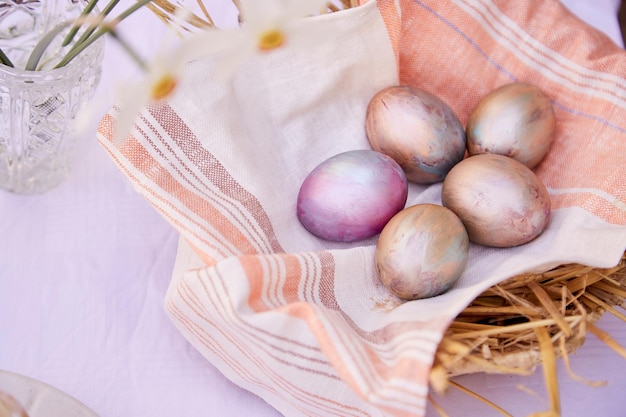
418 130
516 120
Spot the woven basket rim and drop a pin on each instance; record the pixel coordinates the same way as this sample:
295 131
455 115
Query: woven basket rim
562 303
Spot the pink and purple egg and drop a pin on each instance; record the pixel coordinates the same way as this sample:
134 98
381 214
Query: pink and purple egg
351 196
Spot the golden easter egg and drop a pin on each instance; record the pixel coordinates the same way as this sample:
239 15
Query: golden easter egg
501 201
418 130
515 120
421 252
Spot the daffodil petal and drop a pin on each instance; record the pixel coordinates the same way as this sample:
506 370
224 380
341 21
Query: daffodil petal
86 114
302 8
306 37
209 42
131 104
264 28
260 14
228 65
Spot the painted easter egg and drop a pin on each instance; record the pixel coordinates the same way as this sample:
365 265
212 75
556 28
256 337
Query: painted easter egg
501 202
351 196
516 120
418 130
422 251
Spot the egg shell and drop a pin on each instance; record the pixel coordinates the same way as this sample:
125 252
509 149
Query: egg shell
422 251
351 196
418 130
501 202
516 120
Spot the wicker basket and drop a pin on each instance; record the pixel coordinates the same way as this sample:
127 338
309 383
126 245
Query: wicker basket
525 321
529 320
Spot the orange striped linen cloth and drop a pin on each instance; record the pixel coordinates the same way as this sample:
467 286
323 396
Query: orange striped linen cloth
305 323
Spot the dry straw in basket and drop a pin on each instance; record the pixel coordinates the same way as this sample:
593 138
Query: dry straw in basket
529 320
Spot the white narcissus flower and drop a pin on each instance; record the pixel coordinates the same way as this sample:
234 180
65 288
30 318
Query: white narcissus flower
159 83
266 25
162 76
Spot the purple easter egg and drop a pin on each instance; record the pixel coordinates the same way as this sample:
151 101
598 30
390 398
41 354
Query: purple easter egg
352 195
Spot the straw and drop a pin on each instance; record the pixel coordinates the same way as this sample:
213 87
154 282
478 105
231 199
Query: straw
530 320
165 10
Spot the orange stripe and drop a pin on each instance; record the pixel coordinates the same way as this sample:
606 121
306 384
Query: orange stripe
228 232
553 11
152 196
306 312
591 203
253 268
392 22
250 261
215 172
203 336
164 145
251 354
208 344
328 343
576 40
290 289
139 158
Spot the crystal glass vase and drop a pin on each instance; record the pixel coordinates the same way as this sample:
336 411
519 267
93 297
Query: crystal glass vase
38 108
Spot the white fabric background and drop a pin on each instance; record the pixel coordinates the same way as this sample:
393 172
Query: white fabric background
84 269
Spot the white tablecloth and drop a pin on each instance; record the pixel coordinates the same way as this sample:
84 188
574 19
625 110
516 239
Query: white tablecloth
84 269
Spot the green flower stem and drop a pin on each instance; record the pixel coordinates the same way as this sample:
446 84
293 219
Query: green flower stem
128 49
74 30
4 59
37 53
91 29
102 29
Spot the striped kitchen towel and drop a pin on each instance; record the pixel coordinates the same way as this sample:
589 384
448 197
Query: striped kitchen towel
305 323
